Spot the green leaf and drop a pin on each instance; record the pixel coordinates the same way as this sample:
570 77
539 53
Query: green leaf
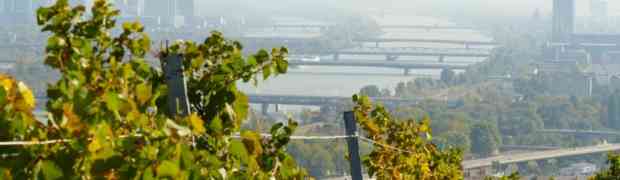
148 174
48 170
3 98
143 91
275 128
112 101
237 148
241 106
168 169
282 66
266 73
216 125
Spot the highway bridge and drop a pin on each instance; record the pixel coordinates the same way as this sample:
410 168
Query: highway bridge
580 132
323 26
466 43
266 100
428 27
406 66
393 53
483 167
322 100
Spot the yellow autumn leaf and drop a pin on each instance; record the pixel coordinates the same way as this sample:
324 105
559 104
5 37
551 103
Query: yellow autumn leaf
372 128
6 82
71 121
27 96
143 93
94 145
197 123
251 140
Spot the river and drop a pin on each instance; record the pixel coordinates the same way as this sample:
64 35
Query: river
345 81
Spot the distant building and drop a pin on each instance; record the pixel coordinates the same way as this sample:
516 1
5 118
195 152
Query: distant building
174 13
599 18
163 11
599 8
563 20
567 78
185 8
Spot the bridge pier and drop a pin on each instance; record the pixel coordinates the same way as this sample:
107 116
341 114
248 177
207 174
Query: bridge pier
377 44
336 57
277 106
323 29
265 108
391 57
442 58
407 71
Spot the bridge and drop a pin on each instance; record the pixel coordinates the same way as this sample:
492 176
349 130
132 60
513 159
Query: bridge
321 26
527 147
580 132
465 43
483 167
425 27
406 66
428 27
266 100
394 52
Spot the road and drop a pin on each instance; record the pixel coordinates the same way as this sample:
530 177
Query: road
539 155
386 64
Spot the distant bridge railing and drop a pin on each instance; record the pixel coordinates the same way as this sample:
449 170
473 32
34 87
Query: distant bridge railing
538 155
466 43
323 100
384 64
579 132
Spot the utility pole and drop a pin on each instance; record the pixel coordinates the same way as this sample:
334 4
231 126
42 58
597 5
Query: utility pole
353 146
178 103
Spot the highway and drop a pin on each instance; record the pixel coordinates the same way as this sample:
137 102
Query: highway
539 155
579 132
385 64
427 27
415 51
444 41
322 100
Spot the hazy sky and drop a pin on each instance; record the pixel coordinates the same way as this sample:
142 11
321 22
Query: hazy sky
498 7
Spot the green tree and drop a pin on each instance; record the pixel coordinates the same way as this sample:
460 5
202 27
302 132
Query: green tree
403 149
612 172
457 140
485 139
371 91
513 176
448 76
613 110
522 118
107 115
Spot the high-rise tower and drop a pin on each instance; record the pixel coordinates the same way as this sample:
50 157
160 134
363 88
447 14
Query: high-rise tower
185 8
563 20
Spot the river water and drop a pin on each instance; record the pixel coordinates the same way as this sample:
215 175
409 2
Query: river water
345 81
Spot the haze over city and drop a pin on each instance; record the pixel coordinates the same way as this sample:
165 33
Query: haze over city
310 89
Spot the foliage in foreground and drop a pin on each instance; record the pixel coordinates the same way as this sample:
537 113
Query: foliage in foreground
108 108
403 148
